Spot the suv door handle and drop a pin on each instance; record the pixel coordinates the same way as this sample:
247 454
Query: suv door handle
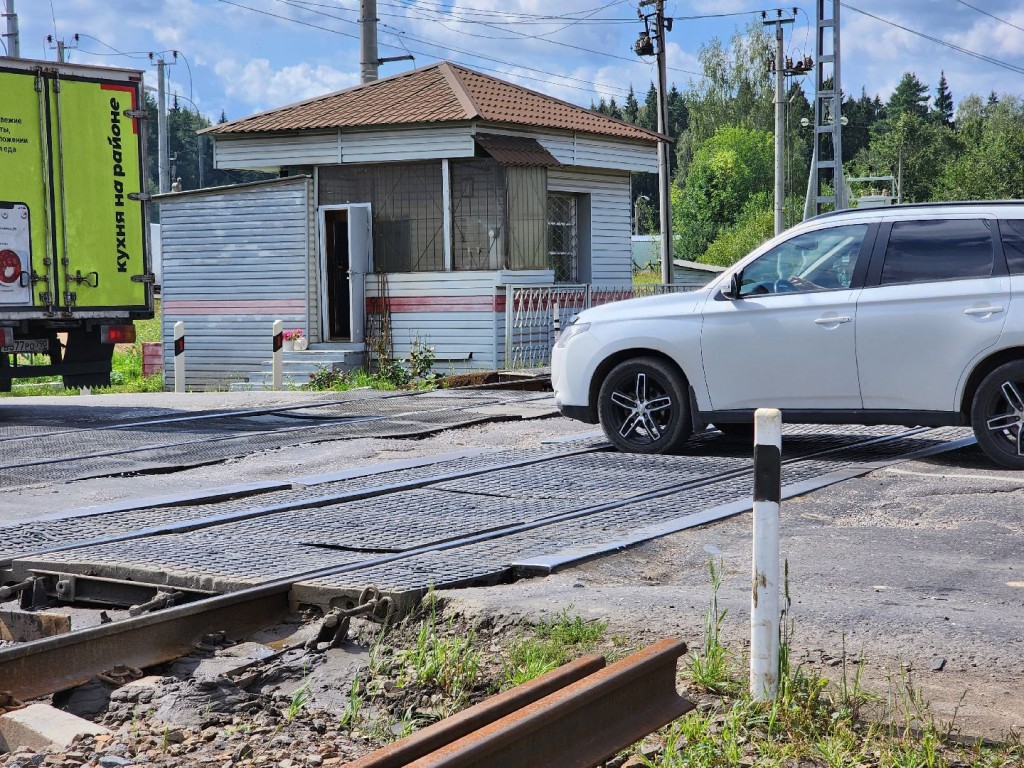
982 310
832 320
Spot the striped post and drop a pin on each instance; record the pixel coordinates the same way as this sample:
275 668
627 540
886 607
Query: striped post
179 356
557 320
764 598
278 341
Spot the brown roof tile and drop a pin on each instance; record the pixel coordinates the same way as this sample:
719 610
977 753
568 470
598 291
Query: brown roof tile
515 150
438 93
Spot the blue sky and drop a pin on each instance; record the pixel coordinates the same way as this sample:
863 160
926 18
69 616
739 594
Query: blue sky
273 52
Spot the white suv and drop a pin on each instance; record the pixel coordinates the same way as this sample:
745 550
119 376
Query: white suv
907 315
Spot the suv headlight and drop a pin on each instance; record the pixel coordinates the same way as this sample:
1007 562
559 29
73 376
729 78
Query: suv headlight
573 330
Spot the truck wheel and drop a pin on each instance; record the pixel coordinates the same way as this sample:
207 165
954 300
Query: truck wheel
997 415
643 407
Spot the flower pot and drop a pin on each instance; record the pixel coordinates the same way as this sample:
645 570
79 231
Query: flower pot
300 343
288 345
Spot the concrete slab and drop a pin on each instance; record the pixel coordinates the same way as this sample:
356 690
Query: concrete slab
40 727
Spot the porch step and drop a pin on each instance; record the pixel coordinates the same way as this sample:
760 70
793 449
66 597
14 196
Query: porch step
297 366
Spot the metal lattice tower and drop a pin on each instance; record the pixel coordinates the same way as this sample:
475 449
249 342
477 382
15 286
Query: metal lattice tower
827 157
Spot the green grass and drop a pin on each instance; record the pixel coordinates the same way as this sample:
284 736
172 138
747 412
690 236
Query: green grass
552 644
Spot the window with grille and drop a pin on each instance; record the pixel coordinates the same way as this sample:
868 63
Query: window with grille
563 238
406 206
478 214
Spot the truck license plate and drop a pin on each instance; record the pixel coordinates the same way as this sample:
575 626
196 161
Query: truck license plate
26 346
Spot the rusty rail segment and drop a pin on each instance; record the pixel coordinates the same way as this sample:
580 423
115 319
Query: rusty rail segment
63 661
579 725
436 736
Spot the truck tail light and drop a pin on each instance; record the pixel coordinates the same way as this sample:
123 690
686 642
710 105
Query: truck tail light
6 336
117 334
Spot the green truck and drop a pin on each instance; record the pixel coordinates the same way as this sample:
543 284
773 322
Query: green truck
75 268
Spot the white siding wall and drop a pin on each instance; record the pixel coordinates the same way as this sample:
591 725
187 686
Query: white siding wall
610 220
269 151
379 146
234 261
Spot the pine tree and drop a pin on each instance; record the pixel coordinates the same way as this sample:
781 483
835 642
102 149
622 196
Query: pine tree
223 117
613 109
943 110
910 96
648 117
631 108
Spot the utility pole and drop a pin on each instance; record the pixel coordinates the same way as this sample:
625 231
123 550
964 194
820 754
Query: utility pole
163 142
13 44
780 70
656 25
61 47
368 63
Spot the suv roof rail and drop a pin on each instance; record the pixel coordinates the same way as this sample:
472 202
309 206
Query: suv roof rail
905 206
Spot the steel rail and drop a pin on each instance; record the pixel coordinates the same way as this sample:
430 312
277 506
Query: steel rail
440 734
248 435
31 669
578 726
283 410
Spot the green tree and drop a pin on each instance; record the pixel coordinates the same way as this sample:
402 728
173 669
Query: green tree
943 109
755 225
631 108
726 171
648 115
911 147
992 165
910 97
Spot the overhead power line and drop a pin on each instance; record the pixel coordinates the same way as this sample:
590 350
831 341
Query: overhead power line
940 41
560 81
991 15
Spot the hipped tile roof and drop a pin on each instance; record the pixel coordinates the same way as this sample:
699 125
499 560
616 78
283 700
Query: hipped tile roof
439 93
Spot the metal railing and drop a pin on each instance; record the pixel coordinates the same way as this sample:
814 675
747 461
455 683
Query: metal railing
530 314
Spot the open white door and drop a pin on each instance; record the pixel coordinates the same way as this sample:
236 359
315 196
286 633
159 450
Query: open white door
359 248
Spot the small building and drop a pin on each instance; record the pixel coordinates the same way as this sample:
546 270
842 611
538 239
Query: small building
407 208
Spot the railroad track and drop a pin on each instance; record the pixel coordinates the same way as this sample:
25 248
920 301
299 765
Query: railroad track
164 442
526 511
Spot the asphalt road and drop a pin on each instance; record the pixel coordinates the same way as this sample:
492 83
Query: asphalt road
918 566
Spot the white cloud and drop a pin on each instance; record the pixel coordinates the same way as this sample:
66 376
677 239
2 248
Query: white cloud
257 84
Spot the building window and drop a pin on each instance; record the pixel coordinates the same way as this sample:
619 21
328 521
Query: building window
406 206
478 214
563 237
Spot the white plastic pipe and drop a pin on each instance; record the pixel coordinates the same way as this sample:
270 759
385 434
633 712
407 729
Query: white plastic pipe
278 343
764 597
179 356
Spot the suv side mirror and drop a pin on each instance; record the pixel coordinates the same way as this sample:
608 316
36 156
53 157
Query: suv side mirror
734 285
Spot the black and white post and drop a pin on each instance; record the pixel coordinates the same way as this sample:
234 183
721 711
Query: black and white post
764 596
278 345
179 356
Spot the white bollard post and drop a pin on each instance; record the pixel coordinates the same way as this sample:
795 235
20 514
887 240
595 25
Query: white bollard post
557 321
764 598
179 356
278 344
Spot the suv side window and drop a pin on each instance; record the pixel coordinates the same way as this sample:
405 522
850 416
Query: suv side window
1013 244
822 260
939 249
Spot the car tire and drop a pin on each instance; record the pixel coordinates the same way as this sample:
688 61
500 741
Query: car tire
997 415
743 429
625 409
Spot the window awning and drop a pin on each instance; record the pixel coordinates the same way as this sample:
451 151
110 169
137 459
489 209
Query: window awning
515 150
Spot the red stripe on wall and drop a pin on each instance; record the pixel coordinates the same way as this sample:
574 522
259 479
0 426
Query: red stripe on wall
375 304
